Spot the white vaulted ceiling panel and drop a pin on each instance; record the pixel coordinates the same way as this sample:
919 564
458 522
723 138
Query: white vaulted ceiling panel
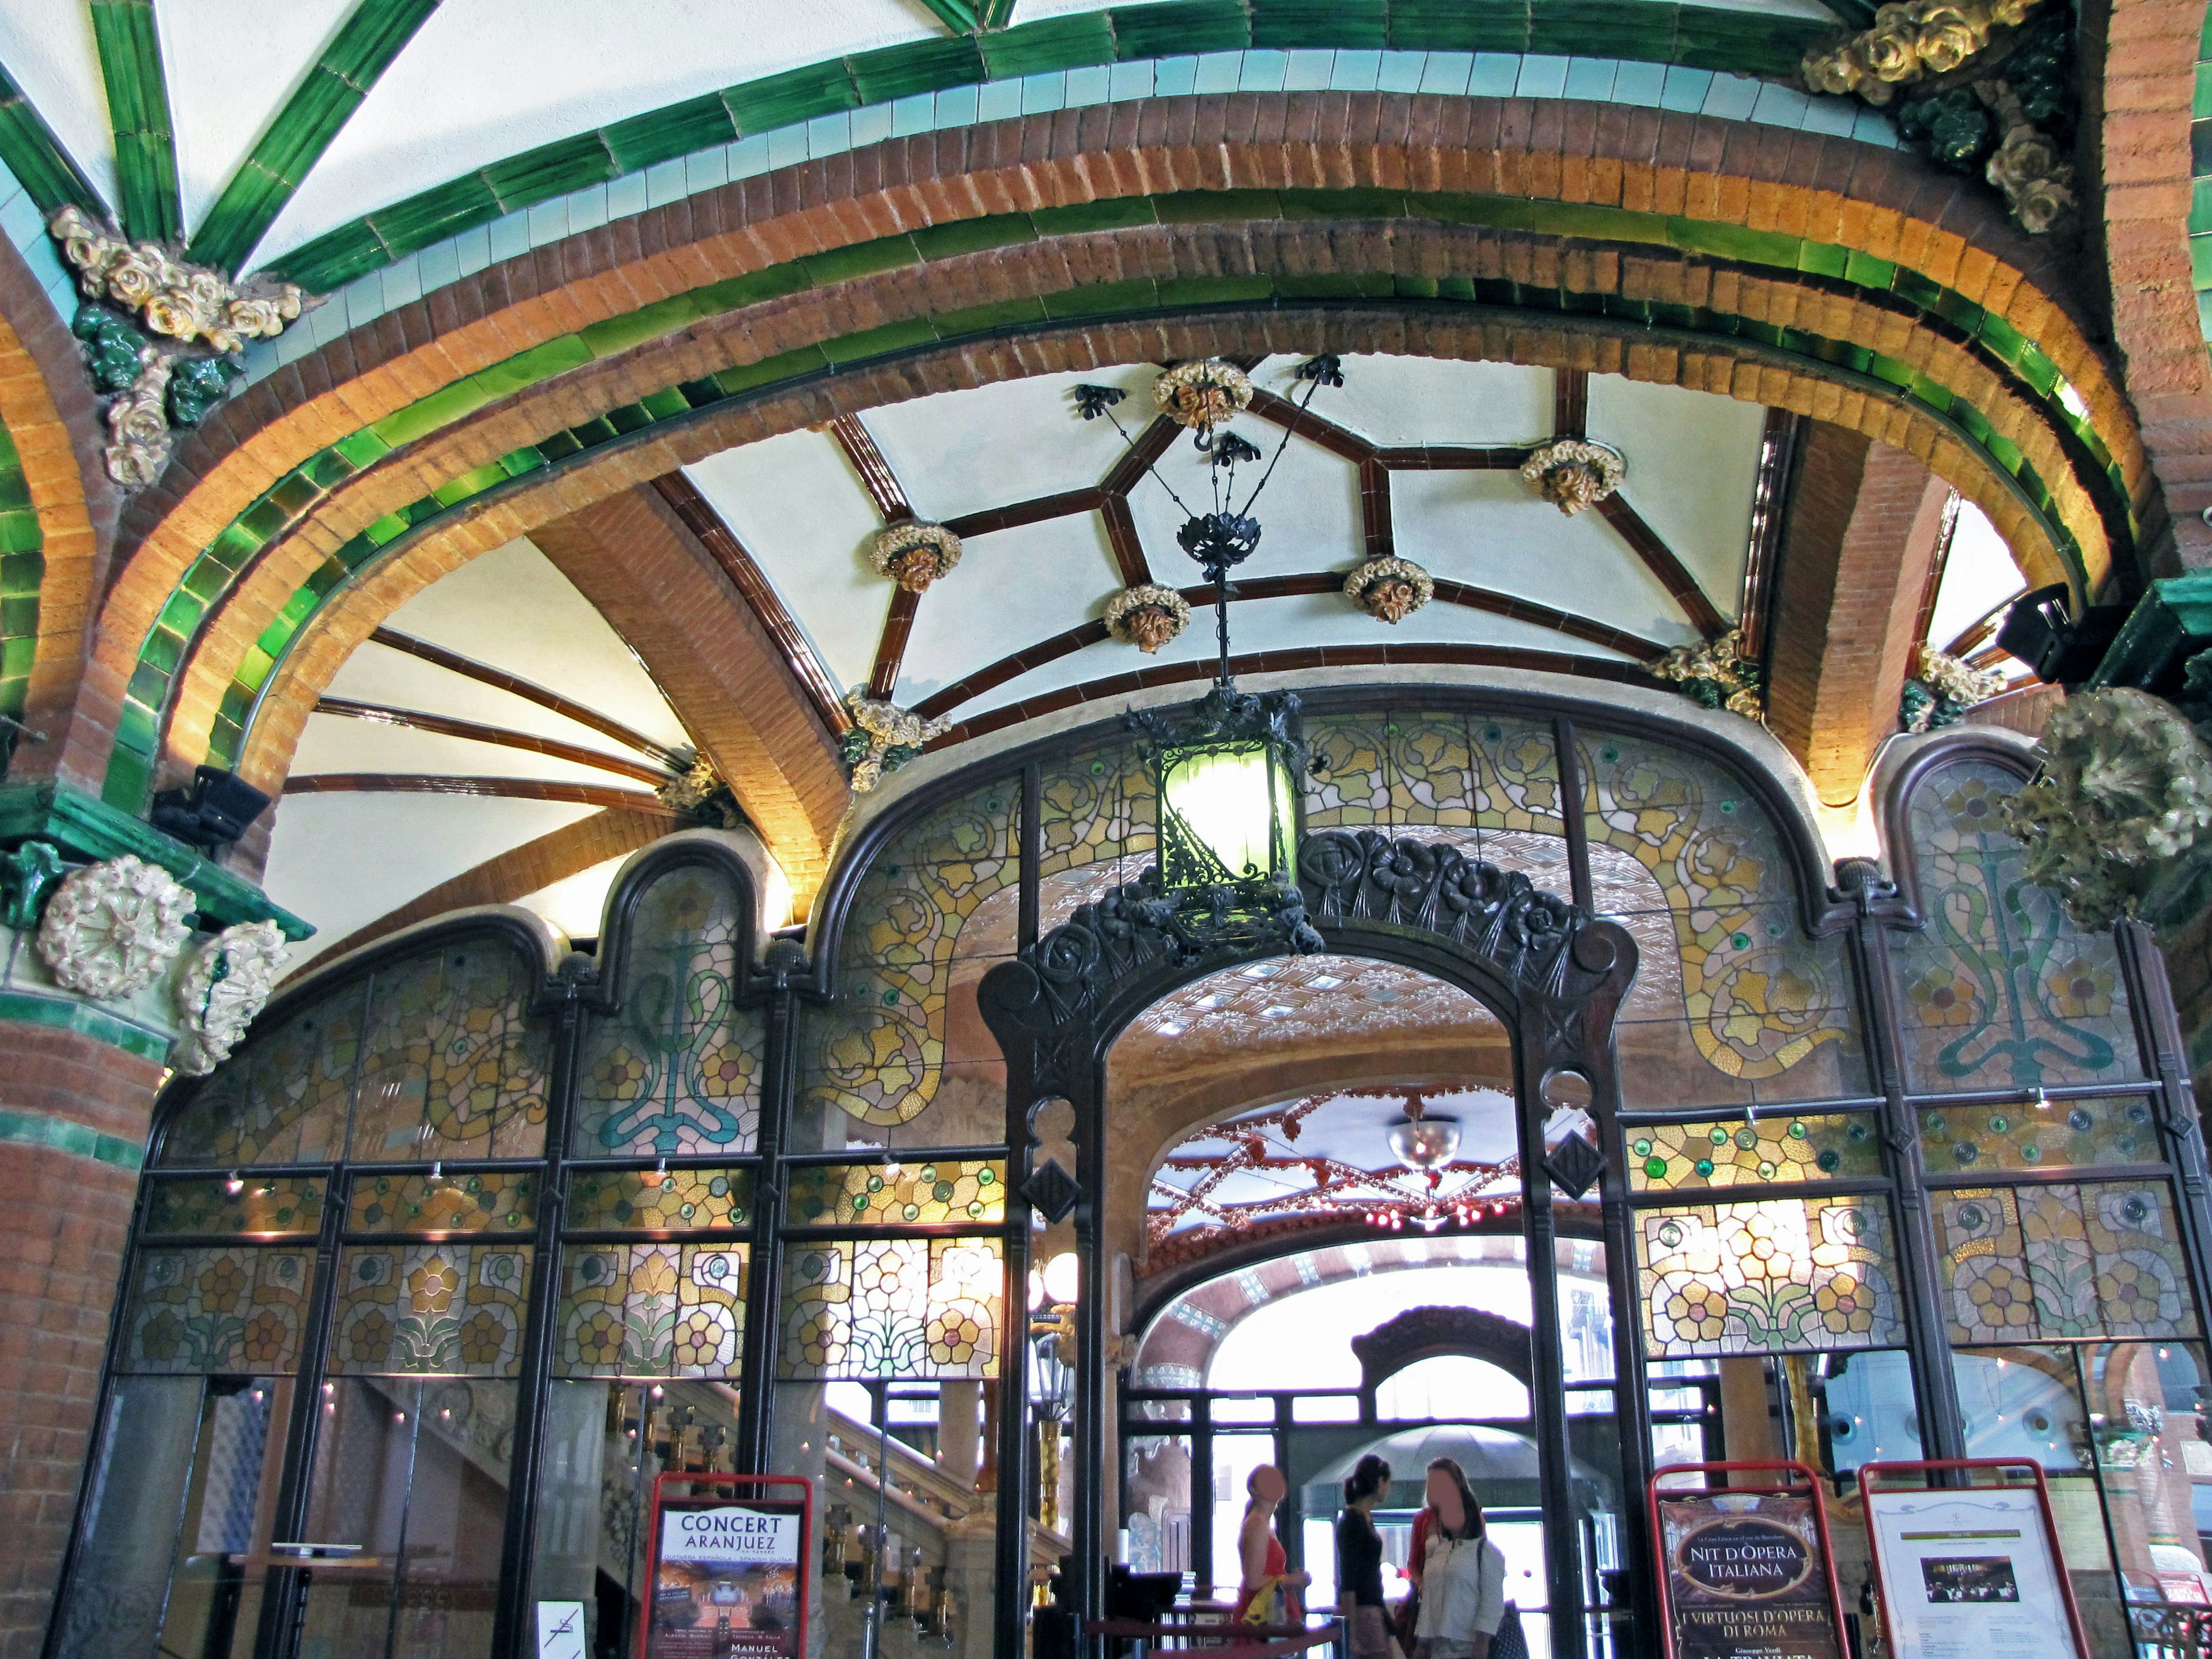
1693 468
1011 588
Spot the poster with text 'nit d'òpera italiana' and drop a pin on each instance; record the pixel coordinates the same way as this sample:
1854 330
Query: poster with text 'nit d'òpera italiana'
1746 1577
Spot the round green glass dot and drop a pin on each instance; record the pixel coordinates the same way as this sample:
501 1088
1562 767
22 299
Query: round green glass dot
688 1210
1828 1160
1797 1131
942 1192
2000 1124
975 1210
859 1204
1655 1168
1728 809
512 1218
1608 754
985 1177
890 999
2030 1153
928 1172
1748 1139
1719 1136
913 1211
1765 1170
1741 941
1099 768
875 1183
1643 1148
1704 1166
1857 1133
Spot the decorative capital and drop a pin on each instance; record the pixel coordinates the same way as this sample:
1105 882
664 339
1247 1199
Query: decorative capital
225 985
1146 616
1573 473
883 737
1390 590
699 791
1942 688
915 553
113 928
1202 394
1717 675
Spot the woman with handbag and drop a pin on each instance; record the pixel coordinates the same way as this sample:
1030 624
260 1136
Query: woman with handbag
1463 1613
1267 1592
1360 1562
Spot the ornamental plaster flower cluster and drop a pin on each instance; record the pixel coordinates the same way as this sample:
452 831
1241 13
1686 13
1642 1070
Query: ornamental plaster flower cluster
1944 688
915 553
1573 473
883 737
225 985
1147 616
113 928
1202 394
1390 590
1717 674
1907 42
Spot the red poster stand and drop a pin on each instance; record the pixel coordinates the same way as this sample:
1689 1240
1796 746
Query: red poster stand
774 1493
1872 1473
1804 1478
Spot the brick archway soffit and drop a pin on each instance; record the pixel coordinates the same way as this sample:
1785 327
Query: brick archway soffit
440 405
279 709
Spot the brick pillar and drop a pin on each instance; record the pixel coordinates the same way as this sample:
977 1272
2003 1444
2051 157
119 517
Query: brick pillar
74 1115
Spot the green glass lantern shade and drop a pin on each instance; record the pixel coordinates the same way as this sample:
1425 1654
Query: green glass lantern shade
1235 805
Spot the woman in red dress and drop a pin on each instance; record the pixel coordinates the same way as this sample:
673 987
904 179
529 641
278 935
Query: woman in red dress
1268 1592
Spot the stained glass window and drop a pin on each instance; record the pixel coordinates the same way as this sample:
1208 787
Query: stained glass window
893 1307
878 1055
450 1067
676 1070
643 1311
260 1203
1097 806
2001 989
226 1308
1784 1147
1413 767
1770 1277
435 1309
877 1194
659 1201
283 1099
2101 1259
2058 1134
486 1201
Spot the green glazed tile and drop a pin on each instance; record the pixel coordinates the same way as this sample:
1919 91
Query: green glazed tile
550 170
1116 213
1292 25
128 775
1178 29
662 135
876 342
961 236
844 265
919 66
1047 45
800 94
1213 206
1460 25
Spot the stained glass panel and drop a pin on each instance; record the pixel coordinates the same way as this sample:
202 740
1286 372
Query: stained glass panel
675 1071
1412 768
434 1309
878 1055
2060 1134
1097 807
262 1204
653 1310
893 1307
451 1068
1784 1147
893 1195
487 1201
666 1201
2040 1263
283 1098
2002 990
226 1308
1771 1277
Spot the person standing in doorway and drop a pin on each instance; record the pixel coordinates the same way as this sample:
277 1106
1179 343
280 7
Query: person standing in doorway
1268 1591
1360 1562
1462 1575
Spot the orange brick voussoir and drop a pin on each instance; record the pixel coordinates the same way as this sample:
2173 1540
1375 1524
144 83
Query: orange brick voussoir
1886 203
413 563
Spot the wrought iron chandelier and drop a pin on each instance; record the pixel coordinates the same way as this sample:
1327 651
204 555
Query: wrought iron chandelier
1230 768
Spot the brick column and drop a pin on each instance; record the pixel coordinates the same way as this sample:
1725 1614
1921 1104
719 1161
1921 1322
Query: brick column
74 1115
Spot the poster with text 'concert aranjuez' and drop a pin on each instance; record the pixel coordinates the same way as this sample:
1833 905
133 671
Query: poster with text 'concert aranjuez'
1748 1576
726 1582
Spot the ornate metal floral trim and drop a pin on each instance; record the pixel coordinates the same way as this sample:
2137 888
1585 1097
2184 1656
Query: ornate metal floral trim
1146 616
2115 822
113 928
1573 473
158 386
1717 675
913 553
1943 689
883 737
1390 590
223 987
1972 87
1202 394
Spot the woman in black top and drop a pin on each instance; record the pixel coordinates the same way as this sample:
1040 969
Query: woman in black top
1359 1561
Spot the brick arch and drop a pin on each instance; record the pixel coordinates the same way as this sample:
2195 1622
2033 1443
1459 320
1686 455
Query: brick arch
1727 368
1882 204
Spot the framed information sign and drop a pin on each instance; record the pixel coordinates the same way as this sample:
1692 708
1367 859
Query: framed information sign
1745 1568
1966 1570
726 1562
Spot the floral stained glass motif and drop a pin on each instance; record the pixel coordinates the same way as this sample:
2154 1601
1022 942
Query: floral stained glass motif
1414 769
894 1308
2001 989
284 1098
676 1070
451 1067
878 1054
653 1310
2031 1264
1760 998
649 1201
1781 1147
430 1309
893 1195
266 1205
1096 807
2063 1134
219 1310
1778 1276
491 1201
